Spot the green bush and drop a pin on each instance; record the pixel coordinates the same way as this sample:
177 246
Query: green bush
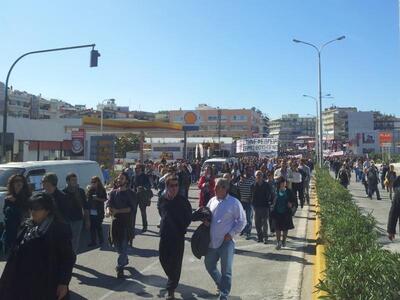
356 265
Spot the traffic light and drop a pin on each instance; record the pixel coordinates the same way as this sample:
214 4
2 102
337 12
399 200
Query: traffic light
94 56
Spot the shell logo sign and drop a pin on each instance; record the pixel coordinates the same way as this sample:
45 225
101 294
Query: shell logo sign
190 118
191 121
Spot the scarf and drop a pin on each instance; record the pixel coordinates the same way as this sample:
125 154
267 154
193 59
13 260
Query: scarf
35 231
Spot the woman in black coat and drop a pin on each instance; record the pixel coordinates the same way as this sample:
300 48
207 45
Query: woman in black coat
15 209
41 262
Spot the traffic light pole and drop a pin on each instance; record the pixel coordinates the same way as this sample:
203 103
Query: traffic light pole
93 63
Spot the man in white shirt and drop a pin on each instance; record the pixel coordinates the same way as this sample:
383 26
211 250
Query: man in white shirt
228 219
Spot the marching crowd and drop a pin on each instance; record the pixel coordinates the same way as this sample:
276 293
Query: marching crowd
42 231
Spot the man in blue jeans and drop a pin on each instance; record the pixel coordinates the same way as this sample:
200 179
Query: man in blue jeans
228 219
121 203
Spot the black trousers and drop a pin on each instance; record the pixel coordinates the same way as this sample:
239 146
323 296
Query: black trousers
261 216
297 188
96 229
142 206
171 256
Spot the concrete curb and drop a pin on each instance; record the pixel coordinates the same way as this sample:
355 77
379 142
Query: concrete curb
320 262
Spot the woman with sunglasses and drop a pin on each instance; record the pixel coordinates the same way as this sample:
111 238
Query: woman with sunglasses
96 196
15 209
41 262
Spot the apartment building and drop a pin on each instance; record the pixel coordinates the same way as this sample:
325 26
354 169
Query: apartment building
214 121
289 127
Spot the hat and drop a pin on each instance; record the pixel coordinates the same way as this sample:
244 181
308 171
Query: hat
50 178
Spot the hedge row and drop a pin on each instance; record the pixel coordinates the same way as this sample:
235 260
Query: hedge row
356 265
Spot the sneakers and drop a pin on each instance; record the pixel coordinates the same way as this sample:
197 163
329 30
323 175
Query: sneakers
278 245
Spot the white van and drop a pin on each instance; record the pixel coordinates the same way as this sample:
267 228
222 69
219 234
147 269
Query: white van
34 171
218 163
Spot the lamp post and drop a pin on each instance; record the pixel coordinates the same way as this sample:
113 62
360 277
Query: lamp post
101 116
94 55
319 50
317 149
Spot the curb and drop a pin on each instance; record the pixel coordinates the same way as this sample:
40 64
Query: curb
319 262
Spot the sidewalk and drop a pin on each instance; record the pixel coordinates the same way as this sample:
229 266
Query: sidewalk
379 209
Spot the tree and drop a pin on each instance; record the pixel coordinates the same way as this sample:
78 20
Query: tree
126 143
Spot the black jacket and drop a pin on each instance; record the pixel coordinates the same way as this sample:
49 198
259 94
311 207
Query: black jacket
176 215
75 205
394 212
262 195
35 268
201 237
234 191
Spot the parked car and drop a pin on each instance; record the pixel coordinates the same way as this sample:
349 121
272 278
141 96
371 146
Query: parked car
218 163
34 171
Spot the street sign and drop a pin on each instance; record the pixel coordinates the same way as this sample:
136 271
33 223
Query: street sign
385 138
191 121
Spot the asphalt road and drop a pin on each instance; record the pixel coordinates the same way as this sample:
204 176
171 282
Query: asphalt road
260 271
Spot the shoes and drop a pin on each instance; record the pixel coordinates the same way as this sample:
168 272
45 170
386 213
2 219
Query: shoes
242 233
144 229
283 243
171 295
278 245
248 237
120 273
266 241
379 199
259 240
158 226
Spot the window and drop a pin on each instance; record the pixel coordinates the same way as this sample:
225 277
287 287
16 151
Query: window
34 179
214 118
239 118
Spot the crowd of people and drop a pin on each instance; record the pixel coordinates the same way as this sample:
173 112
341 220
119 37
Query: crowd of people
51 222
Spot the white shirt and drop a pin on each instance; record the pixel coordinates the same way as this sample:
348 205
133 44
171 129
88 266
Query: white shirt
228 216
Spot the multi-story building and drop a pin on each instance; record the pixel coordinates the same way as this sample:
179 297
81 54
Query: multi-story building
289 127
214 122
25 105
335 124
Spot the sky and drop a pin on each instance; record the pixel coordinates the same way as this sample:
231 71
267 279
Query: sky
170 54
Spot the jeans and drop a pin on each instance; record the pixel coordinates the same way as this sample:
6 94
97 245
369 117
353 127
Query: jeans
248 208
222 279
76 229
142 206
261 216
122 250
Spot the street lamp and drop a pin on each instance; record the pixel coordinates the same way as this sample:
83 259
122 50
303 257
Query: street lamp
319 50
94 55
317 149
101 116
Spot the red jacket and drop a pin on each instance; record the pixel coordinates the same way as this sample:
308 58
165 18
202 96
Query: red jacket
206 193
